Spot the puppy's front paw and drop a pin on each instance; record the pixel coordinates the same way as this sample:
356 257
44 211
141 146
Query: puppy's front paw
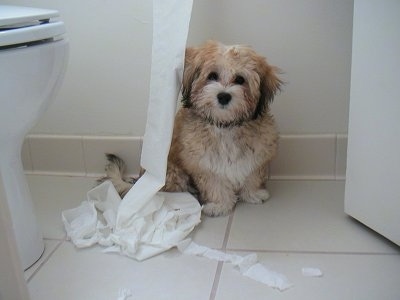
256 197
213 209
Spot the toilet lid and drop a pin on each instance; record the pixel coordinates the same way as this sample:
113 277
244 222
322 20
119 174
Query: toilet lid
21 25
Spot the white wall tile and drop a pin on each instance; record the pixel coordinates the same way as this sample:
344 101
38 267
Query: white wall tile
341 156
305 157
26 156
299 156
57 154
95 147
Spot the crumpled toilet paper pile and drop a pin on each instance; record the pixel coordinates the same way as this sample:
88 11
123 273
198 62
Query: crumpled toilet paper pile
154 227
147 222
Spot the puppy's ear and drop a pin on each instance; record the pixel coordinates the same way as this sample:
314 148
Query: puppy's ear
190 73
270 85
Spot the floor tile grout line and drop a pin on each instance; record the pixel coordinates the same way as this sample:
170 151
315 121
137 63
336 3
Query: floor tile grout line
217 277
54 239
45 260
228 231
311 252
336 157
218 272
83 156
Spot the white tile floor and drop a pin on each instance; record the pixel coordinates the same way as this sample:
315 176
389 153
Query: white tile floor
302 225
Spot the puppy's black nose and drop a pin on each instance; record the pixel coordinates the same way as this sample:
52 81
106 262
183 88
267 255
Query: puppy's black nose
224 98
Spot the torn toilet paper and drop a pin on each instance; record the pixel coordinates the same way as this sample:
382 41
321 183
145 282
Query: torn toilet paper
124 294
248 265
146 222
155 227
311 272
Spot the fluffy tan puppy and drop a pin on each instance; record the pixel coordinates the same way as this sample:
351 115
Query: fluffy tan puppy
224 135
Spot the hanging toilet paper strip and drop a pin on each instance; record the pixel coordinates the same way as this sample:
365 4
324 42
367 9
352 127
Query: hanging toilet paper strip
171 20
145 222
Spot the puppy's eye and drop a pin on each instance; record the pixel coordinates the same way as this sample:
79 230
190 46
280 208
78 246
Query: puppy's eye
212 76
239 80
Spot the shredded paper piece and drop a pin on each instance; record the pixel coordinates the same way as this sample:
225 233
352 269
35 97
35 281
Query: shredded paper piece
311 272
248 265
124 294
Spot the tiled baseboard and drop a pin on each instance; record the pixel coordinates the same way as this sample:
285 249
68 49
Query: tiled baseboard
300 157
310 157
78 155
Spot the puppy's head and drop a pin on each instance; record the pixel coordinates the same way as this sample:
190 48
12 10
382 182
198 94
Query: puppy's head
228 85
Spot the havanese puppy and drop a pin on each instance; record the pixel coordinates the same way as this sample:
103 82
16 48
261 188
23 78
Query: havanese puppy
224 134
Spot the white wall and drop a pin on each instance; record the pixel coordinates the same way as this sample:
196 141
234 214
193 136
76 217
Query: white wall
106 85
310 40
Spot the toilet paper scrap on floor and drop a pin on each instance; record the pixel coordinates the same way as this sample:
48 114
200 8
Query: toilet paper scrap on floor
248 265
146 222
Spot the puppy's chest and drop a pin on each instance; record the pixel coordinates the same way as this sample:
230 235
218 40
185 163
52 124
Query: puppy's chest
231 156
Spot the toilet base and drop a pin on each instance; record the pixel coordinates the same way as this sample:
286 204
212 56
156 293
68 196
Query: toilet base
29 238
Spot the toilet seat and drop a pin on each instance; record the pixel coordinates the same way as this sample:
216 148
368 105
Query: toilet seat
22 26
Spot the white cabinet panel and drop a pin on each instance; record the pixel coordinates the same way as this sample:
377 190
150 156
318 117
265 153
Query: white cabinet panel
373 159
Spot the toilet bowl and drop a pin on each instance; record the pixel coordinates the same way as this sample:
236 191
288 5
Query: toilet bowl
33 57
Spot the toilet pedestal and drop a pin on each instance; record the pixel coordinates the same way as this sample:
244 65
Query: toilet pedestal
28 235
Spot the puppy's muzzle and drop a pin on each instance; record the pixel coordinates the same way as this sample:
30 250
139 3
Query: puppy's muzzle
224 98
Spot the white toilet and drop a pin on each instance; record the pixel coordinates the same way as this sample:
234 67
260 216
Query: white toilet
33 57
